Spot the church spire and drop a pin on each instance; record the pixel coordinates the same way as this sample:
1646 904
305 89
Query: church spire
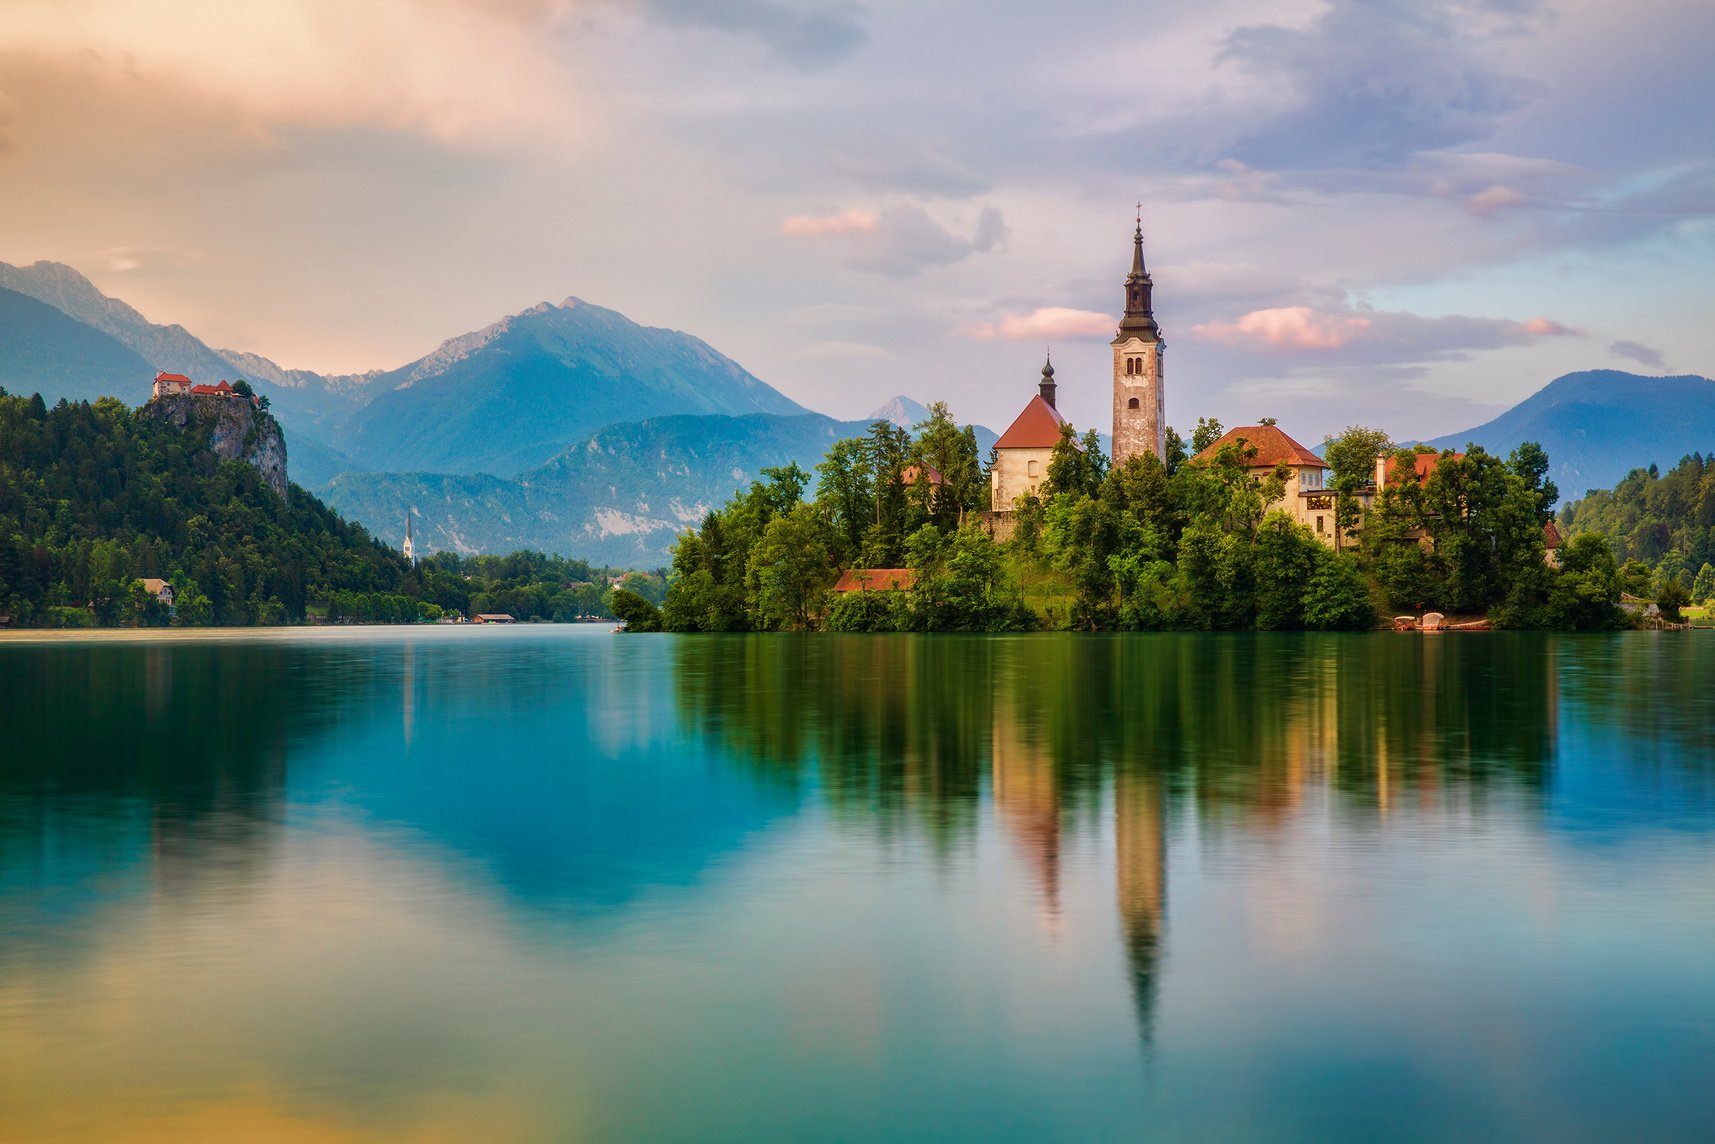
1139 314
1046 385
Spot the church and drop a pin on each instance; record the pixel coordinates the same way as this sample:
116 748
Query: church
1140 409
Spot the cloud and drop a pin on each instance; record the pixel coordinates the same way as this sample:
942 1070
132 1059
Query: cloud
474 75
130 259
1286 329
808 34
1364 336
1372 82
1046 324
1494 198
1638 352
844 222
901 240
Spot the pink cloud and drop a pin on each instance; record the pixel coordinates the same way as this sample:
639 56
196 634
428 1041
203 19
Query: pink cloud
1288 328
853 221
1491 199
1047 323
1361 335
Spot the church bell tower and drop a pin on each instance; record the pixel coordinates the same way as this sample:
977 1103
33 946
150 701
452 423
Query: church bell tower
1140 411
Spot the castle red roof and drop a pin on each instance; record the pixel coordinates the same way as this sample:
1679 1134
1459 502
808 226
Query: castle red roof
1038 427
876 580
1272 447
177 377
221 390
1550 535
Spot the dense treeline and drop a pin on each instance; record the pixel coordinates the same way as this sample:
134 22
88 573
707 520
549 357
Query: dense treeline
1661 525
1469 537
1157 544
95 498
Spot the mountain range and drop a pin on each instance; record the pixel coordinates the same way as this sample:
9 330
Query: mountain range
1600 424
571 428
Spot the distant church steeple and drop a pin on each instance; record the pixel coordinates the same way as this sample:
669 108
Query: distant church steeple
410 548
1046 385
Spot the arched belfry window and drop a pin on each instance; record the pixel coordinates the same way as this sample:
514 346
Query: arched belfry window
1132 404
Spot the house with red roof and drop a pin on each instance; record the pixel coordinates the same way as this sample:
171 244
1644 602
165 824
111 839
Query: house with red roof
1024 450
1307 498
171 385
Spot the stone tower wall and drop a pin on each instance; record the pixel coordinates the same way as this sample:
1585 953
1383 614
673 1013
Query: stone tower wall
1143 429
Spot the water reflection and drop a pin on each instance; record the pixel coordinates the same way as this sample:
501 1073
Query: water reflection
401 881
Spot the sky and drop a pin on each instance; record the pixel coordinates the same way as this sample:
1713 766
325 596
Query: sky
1408 214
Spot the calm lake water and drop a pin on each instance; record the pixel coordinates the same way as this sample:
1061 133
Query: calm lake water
548 883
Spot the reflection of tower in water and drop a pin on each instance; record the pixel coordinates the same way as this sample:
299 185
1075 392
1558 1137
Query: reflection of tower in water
1140 860
1027 802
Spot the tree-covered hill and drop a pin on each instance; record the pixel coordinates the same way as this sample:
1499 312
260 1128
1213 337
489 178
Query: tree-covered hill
1665 521
94 497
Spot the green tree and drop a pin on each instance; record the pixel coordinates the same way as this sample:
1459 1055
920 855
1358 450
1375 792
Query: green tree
1208 431
790 567
1337 598
1352 459
638 614
1671 598
1286 554
1703 588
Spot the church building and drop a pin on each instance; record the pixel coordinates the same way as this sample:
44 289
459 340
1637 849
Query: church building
1024 450
1140 421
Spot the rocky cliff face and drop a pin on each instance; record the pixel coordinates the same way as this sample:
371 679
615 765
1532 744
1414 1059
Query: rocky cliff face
237 431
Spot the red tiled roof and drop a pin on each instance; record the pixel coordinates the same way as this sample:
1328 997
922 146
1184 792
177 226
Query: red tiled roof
1550 535
1272 447
178 377
876 580
908 476
1425 464
221 390
1038 427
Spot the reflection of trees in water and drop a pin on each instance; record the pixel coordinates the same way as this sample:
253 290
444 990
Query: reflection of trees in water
1651 689
901 729
165 758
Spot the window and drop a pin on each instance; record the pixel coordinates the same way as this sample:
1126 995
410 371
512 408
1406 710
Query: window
1128 365
1030 468
1132 404
1319 527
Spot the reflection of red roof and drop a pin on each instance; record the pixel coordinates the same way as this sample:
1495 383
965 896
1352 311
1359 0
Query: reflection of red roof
1550 535
876 580
175 377
1038 427
1272 447
909 475
1425 465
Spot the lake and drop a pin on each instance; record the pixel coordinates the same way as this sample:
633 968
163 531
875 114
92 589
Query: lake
546 883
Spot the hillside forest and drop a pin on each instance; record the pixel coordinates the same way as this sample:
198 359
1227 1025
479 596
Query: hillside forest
95 498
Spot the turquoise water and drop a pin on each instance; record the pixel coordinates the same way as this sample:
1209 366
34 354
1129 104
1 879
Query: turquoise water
548 883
